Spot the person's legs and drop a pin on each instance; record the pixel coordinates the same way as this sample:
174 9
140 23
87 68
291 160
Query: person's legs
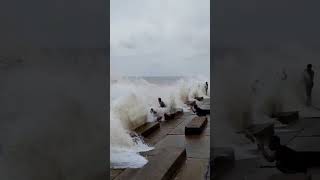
308 92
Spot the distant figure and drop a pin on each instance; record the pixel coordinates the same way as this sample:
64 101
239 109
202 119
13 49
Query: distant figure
161 103
284 75
206 87
308 80
254 87
288 160
199 111
155 114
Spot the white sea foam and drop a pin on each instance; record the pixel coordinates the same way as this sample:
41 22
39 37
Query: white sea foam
131 101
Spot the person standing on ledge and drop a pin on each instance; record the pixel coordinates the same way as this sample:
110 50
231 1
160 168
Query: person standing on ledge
284 74
161 103
308 80
206 88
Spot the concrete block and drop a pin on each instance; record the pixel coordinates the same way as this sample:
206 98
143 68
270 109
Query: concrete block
147 128
193 169
169 116
315 177
305 144
223 157
115 172
289 177
259 132
287 117
222 160
196 125
162 166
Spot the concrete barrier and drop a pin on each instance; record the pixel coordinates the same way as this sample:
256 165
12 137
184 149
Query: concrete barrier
147 128
314 173
289 177
170 116
259 132
222 159
162 166
196 125
287 117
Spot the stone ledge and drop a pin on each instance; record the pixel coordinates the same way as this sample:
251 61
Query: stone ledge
196 125
147 128
162 166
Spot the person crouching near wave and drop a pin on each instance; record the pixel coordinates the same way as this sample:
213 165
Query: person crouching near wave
155 115
199 112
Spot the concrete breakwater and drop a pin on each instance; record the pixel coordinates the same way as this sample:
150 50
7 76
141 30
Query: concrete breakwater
175 155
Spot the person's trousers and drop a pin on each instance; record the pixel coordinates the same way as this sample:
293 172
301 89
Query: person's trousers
308 93
309 90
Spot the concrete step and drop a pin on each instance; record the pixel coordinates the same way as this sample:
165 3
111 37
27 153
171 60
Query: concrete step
314 173
305 144
165 128
198 146
287 117
259 132
193 169
169 141
147 128
196 125
222 160
162 166
311 131
163 162
241 169
115 172
315 177
175 115
289 177
286 137
274 174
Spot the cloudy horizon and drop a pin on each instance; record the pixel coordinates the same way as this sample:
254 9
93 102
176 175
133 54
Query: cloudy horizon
160 38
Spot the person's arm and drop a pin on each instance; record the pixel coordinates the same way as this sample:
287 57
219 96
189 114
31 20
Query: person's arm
270 158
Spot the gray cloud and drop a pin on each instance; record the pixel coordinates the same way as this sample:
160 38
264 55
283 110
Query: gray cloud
155 37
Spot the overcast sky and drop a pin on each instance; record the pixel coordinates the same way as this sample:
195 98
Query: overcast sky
160 37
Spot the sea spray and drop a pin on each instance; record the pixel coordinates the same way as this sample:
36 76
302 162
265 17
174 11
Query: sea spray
124 149
131 101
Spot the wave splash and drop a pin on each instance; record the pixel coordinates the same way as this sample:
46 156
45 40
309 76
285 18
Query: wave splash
131 101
